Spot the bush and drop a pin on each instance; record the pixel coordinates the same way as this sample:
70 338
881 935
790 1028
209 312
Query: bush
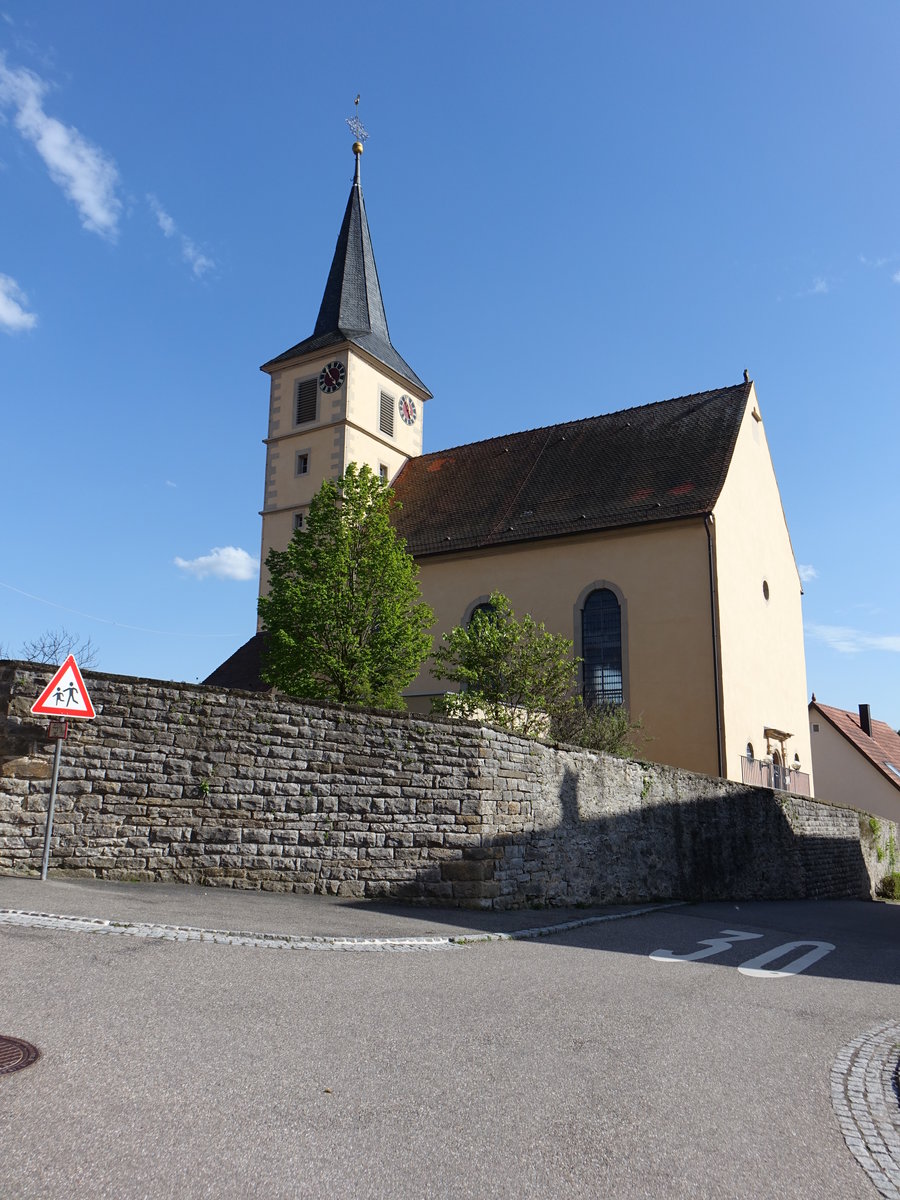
889 888
608 729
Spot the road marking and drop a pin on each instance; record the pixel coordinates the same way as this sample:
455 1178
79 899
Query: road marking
715 946
757 968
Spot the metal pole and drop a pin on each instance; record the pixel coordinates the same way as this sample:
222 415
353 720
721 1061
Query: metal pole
49 831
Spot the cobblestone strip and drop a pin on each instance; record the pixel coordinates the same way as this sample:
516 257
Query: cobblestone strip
287 941
865 1085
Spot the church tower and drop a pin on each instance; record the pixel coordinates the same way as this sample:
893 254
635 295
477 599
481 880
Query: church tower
342 395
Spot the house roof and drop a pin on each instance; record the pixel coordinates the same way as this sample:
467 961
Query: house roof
882 748
653 463
352 308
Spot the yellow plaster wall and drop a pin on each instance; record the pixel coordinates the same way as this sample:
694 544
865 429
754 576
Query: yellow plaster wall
763 662
346 430
663 574
843 776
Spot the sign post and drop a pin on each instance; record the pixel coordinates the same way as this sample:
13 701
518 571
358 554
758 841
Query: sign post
64 696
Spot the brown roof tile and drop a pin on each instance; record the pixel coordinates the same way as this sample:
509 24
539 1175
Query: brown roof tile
653 463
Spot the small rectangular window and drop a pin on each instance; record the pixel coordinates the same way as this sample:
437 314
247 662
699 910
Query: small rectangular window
386 424
382 473
298 520
306 396
815 728
302 463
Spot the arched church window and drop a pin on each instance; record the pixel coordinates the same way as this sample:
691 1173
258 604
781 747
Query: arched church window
487 608
601 642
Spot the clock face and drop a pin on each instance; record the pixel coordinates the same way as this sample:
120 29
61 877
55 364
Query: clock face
332 376
407 408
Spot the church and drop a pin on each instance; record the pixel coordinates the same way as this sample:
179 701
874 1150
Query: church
653 537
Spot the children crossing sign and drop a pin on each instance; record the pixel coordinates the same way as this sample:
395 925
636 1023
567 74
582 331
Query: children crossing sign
65 695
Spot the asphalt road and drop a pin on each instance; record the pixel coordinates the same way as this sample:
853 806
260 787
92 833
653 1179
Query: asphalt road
572 1065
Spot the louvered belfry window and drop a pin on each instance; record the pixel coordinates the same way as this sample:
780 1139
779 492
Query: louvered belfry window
601 641
386 424
305 398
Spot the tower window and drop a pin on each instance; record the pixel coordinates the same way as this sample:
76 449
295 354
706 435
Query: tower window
382 472
302 463
306 395
601 639
298 521
386 422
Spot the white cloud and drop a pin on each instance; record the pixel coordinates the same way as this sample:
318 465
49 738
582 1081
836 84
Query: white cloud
166 224
807 572
14 317
819 288
190 252
84 173
851 641
222 562
896 277
169 483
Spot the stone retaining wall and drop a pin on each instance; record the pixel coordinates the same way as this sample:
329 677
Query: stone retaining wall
191 783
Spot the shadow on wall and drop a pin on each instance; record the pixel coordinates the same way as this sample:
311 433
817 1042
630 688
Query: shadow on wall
738 846
199 785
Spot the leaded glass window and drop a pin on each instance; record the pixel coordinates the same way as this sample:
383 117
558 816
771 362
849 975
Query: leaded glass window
601 642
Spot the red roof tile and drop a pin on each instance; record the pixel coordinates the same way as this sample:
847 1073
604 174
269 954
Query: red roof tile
881 748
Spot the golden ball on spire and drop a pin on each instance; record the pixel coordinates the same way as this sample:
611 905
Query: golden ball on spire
357 147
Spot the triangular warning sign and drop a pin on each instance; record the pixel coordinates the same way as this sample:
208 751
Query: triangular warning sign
65 695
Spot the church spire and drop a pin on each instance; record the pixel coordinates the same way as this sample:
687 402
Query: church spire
352 309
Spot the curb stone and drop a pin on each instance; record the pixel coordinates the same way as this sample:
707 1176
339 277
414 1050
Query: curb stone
287 941
865 1094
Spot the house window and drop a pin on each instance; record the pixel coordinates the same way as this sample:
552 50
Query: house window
302 463
298 521
601 641
306 399
386 422
749 752
382 472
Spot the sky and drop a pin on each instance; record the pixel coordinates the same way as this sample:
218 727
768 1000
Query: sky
575 208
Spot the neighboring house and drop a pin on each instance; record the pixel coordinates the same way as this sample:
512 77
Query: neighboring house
856 759
653 537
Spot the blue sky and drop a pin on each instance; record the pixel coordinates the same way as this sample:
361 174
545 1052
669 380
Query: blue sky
575 208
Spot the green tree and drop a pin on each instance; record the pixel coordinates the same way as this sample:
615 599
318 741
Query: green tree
515 674
519 676
343 613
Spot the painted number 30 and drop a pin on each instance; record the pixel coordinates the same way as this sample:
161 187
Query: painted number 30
758 966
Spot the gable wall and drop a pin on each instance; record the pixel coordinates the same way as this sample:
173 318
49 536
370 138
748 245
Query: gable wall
844 776
763 662
663 574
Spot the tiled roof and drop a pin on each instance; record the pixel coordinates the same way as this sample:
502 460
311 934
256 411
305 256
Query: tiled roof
881 748
352 308
652 463
242 669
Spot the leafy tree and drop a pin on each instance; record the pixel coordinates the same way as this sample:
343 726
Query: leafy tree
514 674
53 647
519 676
343 614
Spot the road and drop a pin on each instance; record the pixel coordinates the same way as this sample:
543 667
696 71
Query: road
572 1065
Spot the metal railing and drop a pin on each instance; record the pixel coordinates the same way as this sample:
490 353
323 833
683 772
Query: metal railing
761 773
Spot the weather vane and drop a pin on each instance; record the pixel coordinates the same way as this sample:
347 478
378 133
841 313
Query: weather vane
357 128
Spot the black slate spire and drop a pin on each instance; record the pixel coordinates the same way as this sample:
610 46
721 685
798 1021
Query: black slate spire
352 309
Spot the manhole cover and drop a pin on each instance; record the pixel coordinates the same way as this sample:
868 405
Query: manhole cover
16 1054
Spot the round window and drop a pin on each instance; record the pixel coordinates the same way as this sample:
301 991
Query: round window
766 588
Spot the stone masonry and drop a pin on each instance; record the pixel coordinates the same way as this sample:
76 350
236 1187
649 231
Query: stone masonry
192 783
